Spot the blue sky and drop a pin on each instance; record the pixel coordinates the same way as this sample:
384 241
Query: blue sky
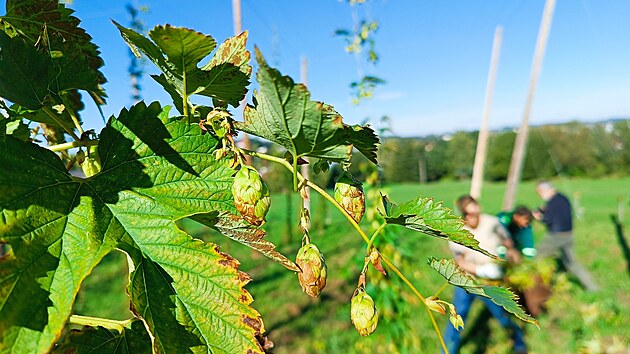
434 56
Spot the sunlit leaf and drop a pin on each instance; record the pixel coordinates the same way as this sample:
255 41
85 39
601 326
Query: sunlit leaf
284 114
500 296
155 170
177 52
431 218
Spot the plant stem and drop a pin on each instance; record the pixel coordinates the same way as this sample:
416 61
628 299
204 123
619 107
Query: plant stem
73 115
73 144
323 193
185 98
441 289
371 241
52 115
413 289
97 321
295 173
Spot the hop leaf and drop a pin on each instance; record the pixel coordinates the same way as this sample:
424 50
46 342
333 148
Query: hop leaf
155 171
314 271
284 113
251 195
363 312
500 296
349 193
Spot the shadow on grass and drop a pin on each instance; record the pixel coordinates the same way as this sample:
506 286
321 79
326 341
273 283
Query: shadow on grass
479 333
622 240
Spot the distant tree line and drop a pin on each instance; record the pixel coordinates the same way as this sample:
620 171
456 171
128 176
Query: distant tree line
571 150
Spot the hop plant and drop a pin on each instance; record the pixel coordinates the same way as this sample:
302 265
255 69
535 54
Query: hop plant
251 195
313 265
349 193
363 312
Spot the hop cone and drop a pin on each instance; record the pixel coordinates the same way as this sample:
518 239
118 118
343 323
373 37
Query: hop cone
251 195
313 275
92 163
363 313
349 193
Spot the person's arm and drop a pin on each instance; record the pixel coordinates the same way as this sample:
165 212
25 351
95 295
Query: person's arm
488 271
526 237
511 253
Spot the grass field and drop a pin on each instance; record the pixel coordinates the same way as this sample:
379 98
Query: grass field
576 321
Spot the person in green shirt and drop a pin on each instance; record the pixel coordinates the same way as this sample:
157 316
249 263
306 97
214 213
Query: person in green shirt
518 224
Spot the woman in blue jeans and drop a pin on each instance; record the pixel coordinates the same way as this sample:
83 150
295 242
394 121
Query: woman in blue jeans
491 234
462 301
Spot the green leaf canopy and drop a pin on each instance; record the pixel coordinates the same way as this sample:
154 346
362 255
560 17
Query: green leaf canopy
500 296
284 114
155 170
177 52
431 218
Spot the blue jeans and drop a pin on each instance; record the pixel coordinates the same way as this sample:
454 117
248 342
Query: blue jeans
462 301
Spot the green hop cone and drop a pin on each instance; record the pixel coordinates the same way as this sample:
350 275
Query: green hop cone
313 265
363 312
349 193
91 163
251 195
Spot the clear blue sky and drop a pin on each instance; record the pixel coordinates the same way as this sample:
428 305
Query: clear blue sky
434 56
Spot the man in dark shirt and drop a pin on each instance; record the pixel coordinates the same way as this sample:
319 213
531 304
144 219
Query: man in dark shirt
558 242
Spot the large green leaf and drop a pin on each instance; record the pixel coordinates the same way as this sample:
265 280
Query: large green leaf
131 339
75 61
431 218
177 53
500 296
155 170
284 114
239 230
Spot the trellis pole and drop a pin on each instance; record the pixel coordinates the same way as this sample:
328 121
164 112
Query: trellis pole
482 140
518 155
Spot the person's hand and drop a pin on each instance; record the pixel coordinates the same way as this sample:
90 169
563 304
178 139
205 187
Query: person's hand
465 265
537 214
513 256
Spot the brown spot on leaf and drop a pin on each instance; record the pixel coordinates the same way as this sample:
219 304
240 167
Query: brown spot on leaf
229 262
255 323
244 277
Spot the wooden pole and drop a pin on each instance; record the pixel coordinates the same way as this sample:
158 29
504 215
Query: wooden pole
482 140
518 155
236 18
305 168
